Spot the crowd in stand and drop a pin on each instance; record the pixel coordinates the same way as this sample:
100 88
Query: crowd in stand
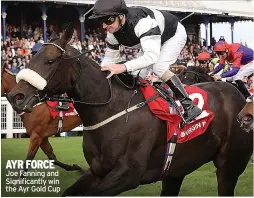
17 51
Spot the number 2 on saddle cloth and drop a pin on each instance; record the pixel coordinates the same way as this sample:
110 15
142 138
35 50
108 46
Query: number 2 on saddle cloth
166 110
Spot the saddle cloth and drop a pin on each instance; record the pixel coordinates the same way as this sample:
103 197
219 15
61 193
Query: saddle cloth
165 111
55 113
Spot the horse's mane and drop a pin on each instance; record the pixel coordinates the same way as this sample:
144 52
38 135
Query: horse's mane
77 53
92 62
200 71
196 69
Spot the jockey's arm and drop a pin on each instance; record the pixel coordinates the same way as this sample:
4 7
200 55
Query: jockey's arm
220 66
150 38
112 52
235 66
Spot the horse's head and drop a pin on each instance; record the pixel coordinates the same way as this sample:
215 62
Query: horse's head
7 79
194 75
49 71
245 117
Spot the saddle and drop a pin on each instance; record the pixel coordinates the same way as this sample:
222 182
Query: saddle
129 81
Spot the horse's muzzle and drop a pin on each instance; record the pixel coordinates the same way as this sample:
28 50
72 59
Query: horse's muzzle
20 103
246 122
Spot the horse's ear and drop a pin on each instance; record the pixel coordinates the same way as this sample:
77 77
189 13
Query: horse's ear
68 34
53 37
4 65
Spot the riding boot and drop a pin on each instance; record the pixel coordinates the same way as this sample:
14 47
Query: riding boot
190 110
243 88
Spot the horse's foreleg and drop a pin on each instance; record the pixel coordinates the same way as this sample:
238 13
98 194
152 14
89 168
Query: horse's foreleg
48 150
171 186
226 183
118 180
230 165
34 144
87 181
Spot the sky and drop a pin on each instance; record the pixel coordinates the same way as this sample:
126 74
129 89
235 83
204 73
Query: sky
243 32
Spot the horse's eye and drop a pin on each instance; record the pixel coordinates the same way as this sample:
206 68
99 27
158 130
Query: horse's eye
51 62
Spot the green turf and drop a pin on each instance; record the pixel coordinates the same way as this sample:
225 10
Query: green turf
69 150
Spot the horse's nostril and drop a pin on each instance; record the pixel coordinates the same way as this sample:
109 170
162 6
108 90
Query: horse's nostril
248 118
19 98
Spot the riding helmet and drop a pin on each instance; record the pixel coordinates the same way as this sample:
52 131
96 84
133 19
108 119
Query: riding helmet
103 8
204 56
221 46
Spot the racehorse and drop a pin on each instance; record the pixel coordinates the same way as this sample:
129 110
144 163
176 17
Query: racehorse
123 155
192 75
245 117
40 124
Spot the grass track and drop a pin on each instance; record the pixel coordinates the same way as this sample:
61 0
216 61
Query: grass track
69 150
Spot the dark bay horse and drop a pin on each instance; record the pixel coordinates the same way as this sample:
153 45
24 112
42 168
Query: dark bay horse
123 155
193 75
39 123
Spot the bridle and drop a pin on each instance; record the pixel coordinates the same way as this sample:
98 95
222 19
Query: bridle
77 59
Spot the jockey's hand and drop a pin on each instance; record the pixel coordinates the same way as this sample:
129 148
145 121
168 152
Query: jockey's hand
217 77
210 73
114 69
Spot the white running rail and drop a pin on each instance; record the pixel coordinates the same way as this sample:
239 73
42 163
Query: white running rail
11 122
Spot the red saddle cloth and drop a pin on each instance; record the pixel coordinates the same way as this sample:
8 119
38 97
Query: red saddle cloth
163 110
55 113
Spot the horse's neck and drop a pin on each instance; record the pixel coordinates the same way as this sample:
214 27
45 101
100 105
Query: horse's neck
93 87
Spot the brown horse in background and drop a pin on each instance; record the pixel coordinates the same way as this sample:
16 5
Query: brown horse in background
40 124
123 155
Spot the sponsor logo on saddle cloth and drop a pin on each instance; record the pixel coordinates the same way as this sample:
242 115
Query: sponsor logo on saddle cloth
199 125
163 110
55 113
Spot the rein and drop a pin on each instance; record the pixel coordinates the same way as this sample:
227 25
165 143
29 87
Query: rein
9 72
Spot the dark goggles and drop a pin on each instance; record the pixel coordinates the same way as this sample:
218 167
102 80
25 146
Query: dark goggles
220 53
109 20
203 62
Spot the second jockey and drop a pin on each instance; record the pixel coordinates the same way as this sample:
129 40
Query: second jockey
240 57
204 59
159 36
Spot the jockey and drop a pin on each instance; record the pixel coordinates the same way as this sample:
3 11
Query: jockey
204 59
158 34
241 58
